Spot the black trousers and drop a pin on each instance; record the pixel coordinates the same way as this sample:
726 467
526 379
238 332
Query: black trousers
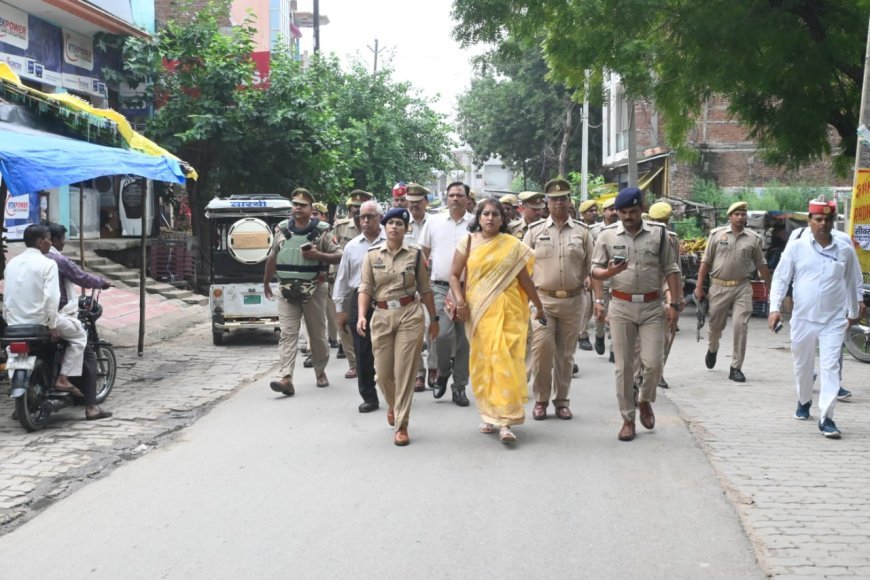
87 383
365 360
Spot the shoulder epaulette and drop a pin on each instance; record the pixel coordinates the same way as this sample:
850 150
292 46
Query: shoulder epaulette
719 229
376 246
609 226
537 223
341 222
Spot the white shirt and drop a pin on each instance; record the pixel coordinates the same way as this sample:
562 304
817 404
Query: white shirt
824 279
350 268
441 235
416 229
798 233
32 293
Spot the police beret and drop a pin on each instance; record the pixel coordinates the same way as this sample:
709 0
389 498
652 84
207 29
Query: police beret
472 194
628 197
509 199
301 195
557 188
400 190
737 205
608 202
321 207
532 199
661 211
822 207
586 205
396 212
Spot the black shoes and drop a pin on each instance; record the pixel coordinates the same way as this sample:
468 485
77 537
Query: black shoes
340 352
612 357
333 343
599 344
710 359
736 375
308 362
440 387
367 407
575 369
663 384
585 344
460 398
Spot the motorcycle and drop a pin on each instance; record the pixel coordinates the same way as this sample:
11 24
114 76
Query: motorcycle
858 335
33 364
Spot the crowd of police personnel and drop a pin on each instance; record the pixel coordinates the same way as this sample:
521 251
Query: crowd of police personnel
621 273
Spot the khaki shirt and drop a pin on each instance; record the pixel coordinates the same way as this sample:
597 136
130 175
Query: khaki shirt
344 231
519 227
649 260
595 230
388 276
733 257
325 244
563 256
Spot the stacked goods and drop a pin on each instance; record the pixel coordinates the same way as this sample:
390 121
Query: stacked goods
693 245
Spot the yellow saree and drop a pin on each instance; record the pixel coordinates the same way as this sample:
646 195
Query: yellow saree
498 327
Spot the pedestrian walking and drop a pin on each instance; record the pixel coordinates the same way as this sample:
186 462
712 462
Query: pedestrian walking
734 253
637 258
346 298
587 212
300 257
602 328
532 207
661 212
495 303
344 231
439 239
563 254
394 272
509 203
418 201
400 195
822 269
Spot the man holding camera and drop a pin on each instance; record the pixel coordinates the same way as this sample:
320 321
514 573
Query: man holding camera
637 258
300 256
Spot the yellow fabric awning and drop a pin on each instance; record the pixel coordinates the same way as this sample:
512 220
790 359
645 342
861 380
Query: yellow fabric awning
645 180
134 140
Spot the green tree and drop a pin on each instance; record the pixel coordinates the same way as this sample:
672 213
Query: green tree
791 69
512 110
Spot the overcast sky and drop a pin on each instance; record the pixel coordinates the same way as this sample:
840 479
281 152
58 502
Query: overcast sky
414 35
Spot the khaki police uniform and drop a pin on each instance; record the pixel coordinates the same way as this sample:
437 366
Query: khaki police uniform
601 326
635 309
732 259
291 313
344 231
671 333
397 325
562 263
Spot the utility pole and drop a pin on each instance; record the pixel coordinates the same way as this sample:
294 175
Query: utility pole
859 215
376 51
632 145
316 26
584 159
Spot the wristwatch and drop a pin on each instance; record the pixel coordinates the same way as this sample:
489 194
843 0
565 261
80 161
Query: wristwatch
599 301
436 318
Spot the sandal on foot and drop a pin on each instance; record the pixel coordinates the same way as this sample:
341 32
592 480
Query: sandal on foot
72 390
101 415
487 428
505 435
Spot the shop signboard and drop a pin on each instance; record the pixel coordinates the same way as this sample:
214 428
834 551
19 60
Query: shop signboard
78 49
860 220
14 29
19 212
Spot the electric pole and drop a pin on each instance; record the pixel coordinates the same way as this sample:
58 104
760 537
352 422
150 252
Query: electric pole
316 26
376 51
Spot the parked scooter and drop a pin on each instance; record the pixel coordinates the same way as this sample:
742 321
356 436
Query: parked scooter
33 364
858 335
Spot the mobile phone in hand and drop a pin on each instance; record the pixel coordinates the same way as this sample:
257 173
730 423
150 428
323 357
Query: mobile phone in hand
307 246
617 260
777 327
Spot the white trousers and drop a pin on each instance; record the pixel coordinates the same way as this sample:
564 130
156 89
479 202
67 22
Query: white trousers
804 337
72 331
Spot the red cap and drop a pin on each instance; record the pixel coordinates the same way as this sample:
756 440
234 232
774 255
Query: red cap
400 190
823 207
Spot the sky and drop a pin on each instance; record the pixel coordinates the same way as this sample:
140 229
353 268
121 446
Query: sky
415 35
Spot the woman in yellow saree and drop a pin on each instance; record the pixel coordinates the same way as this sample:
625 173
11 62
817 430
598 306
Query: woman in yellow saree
494 302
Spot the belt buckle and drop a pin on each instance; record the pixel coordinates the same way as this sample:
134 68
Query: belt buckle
561 293
637 298
393 304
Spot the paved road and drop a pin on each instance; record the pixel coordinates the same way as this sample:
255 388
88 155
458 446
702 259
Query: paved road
306 487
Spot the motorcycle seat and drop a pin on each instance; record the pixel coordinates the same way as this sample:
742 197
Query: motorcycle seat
26 331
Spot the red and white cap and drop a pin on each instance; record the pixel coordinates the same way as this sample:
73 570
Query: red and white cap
400 190
823 207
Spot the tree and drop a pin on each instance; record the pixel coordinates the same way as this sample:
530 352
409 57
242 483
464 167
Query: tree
791 69
512 110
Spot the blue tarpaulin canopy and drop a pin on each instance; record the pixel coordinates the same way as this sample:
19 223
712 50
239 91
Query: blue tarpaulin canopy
32 160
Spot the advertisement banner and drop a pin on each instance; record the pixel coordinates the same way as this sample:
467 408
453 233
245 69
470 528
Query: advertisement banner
860 220
19 212
78 49
13 27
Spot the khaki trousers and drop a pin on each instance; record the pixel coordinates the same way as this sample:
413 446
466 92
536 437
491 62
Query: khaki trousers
629 323
586 313
669 336
553 348
345 337
331 326
290 315
739 298
397 339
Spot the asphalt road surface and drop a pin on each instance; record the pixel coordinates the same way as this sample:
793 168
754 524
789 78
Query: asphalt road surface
306 487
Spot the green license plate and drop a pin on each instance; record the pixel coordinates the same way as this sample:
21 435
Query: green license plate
252 299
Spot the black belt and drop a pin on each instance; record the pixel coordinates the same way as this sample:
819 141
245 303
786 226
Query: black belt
440 283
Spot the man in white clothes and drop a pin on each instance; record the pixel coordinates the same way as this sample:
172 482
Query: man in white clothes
439 239
822 268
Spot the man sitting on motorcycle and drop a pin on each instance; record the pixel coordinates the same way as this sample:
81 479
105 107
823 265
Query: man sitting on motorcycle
70 275
32 297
